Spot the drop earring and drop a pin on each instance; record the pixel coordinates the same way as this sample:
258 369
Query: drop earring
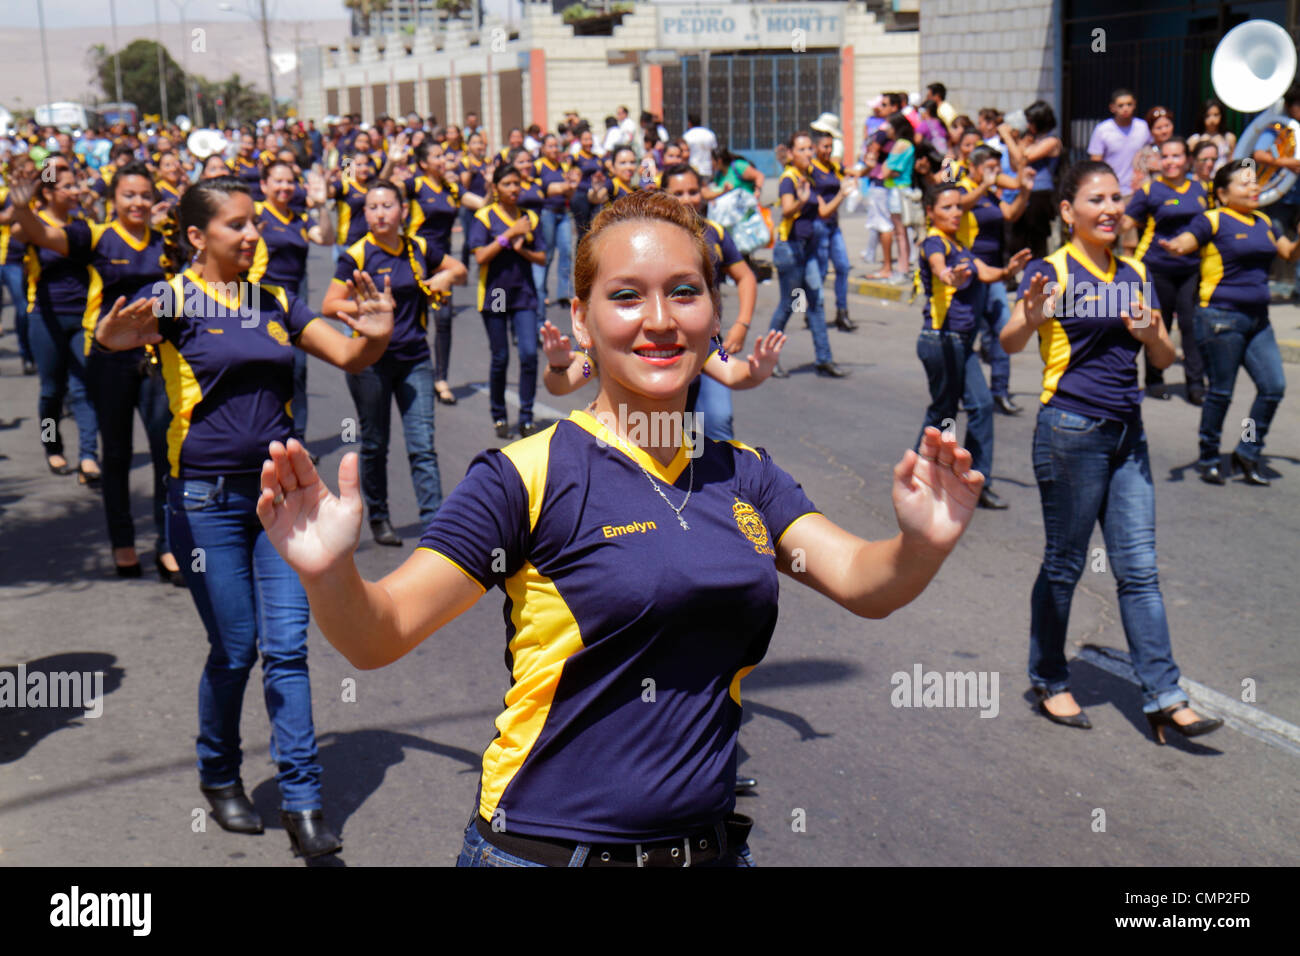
722 350
586 365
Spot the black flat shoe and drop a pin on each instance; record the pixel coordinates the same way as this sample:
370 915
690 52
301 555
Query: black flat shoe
1079 720
384 533
779 372
1210 473
308 833
232 809
528 428
989 499
745 784
1159 390
89 478
502 428
29 368
1161 719
830 370
445 394
129 570
63 469
1249 470
843 322
1196 394
166 575
1006 405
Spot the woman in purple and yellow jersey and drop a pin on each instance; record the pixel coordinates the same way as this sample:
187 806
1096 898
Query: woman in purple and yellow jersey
245 166
608 189
229 380
436 200
1090 450
1161 208
123 256
1238 244
56 297
417 272
559 181
588 164
12 253
507 242
583 772
281 255
349 189
955 284
475 180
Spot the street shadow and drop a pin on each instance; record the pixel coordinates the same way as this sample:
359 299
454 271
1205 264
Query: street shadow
789 674
354 764
1179 472
22 728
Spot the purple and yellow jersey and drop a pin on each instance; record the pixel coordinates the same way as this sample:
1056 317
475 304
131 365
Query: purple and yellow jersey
950 308
351 208
281 254
117 263
1163 210
435 207
508 279
406 268
1237 252
56 284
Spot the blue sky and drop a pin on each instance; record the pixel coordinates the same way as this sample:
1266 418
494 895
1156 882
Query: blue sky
87 13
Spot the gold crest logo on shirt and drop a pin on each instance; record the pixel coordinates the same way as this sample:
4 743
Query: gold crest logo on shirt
751 526
277 332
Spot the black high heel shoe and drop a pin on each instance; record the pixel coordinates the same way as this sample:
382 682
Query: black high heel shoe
167 575
308 833
1249 470
1211 473
1161 719
232 809
1079 720
63 469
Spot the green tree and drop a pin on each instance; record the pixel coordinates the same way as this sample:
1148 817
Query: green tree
139 61
455 9
240 103
362 9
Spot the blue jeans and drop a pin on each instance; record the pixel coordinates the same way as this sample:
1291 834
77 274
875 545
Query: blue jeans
831 251
953 370
797 269
250 600
558 233
525 325
994 318
713 404
373 391
122 384
476 851
15 281
57 343
1229 339
1093 470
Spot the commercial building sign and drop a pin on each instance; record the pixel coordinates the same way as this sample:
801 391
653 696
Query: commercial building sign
740 26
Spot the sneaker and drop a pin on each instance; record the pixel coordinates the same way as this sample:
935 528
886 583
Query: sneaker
503 428
779 372
382 529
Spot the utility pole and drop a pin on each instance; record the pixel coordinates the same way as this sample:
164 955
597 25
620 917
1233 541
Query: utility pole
266 47
45 57
162 76
117 63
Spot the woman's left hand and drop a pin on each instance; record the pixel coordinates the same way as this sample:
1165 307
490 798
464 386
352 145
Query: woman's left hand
159 213
935 492
316 191
374 318
1142 325
766 352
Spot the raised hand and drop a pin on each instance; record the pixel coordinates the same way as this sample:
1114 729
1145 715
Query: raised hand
735 340
1019 261
556 345
311 528
374 318
1142 324
316 189
957 275
1026 177
159 213
23 188
801 189
766 352
935 492
1040 304
128 326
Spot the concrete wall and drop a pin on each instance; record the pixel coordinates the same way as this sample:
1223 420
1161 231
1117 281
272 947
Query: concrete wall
998 53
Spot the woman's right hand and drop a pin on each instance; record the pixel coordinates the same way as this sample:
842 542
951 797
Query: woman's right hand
311 528
128 326
374 318
556 345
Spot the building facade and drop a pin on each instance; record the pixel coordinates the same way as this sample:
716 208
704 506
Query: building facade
755 72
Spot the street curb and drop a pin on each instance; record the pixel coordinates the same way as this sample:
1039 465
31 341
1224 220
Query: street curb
1248 720
1290 349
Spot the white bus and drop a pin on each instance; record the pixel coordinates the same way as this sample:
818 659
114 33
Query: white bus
66 116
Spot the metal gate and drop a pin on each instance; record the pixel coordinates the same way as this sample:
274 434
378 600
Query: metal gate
752 101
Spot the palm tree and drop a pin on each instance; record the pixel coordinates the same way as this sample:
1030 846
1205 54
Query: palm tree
361 11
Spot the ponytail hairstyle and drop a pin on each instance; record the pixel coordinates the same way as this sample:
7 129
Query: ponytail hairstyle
199 204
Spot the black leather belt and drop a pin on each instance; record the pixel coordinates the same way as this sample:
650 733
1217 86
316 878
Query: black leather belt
701 846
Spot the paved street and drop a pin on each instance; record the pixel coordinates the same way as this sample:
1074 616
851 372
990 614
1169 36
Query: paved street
873 783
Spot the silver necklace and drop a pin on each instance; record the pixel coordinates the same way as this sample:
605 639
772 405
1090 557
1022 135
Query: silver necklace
690 481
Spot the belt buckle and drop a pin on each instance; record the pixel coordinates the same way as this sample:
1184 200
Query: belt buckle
642 856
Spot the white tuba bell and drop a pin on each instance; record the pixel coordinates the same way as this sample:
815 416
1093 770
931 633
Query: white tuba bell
1253 65
203 143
